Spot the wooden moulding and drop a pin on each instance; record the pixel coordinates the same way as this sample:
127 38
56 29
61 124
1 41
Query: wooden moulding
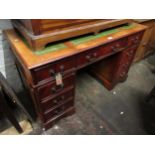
38 42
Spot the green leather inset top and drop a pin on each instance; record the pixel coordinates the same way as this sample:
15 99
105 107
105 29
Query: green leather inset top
82 39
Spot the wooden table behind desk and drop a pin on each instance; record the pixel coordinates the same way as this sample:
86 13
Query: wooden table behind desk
147 45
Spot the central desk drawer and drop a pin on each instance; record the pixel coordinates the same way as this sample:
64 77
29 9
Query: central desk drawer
47 72
114 47
88 57
57 101
51 88
94 54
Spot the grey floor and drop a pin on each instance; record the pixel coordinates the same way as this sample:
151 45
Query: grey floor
99 111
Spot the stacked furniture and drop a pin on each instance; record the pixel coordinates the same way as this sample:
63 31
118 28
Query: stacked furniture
39 32
49 74
147 45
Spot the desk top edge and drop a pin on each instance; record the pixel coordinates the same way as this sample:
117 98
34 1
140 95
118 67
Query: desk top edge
31 60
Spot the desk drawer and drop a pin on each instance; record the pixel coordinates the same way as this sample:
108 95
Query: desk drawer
105 50
126 60
57 101
135 38
128 55
51 114
47 72
114 47
88 57
51 89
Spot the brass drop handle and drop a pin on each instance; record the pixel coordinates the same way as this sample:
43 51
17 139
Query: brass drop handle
52 72
135 40
125 66
92 59
57 88
62 67
130 53
116 49
89 58
59 110
95 54
122 74
60 100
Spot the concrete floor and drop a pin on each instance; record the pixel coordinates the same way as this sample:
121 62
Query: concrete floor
99 111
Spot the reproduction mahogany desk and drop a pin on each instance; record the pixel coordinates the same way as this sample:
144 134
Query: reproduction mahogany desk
50 74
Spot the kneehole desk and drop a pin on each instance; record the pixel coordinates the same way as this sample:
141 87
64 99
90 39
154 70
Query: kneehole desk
112 51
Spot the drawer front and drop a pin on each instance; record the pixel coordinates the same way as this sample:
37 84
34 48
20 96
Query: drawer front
102 51
126 60
66 65
51 89
135 38
47 72
129 54
51 114
57 101
88 57
114 47
43 73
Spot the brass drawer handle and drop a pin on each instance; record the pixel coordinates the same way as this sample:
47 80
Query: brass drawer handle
125 66
135 40
122 74
59 110
95 54
57 88
129 53
62 67
115 49
60 100
90 59
52 72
